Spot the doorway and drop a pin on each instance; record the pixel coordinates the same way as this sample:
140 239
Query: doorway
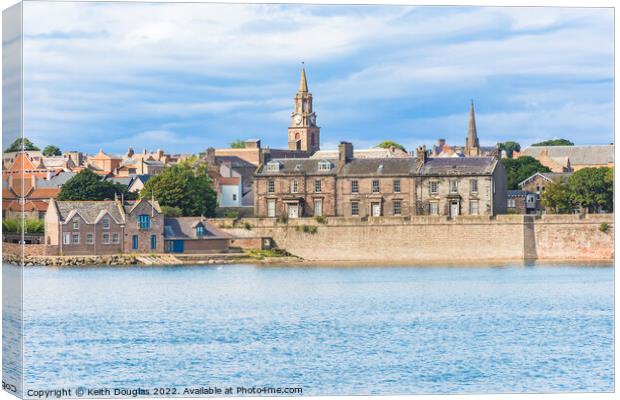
454 209
293 211
375 209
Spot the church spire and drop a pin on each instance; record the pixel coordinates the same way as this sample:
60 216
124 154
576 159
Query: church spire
472 146
303 83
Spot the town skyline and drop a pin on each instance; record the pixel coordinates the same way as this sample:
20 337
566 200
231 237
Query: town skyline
531 79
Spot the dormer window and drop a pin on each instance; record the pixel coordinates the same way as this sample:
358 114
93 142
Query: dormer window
106 223
273 166
200 230
325 165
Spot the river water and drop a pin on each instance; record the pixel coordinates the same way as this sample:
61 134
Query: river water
327 330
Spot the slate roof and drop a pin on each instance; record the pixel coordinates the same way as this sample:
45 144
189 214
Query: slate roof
459 166
185 228
122 180
379 167
56 181
89 210
234 162
580 155
516 193
555 175
296 166
374 152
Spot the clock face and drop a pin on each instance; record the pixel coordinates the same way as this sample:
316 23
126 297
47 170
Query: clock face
298 119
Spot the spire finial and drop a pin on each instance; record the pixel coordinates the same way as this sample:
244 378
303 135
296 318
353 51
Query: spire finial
303 83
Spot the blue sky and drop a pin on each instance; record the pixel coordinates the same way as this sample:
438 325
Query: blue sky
184 77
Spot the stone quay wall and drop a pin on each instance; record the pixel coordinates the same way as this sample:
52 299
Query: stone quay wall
422 239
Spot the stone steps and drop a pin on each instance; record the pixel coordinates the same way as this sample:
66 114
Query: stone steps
158 259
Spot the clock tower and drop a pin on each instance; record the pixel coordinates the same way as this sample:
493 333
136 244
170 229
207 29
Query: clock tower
303 133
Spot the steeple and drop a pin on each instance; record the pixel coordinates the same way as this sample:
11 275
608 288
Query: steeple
472 145
303 83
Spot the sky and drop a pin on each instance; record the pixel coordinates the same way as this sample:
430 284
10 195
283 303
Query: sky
184 77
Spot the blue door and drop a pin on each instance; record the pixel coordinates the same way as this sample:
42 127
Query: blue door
174 246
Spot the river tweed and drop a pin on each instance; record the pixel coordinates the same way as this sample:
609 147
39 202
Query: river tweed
324 330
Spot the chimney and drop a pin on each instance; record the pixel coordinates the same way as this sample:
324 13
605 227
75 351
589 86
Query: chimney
130 152
252 144
265 155
210 156
345 152
160 154
441 142
421 156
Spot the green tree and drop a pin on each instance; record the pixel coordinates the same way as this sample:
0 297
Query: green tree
185 186
519 169
171 211
555 142
87 185
557 197
237 144
510 147
51 150
592 188
386 144
17 146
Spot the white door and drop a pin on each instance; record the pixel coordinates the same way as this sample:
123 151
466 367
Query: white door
318 208
293 211
376 209
66 238
454 209
271 208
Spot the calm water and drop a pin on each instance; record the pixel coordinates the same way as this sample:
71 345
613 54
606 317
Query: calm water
366 330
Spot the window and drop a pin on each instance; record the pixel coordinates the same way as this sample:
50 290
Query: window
273 166
434 187
66 239
473 186
512 203
200 230
75 238
271 186
76 224
375 186
317 186
294 187
90 238
434 208
454 186
355 187
153 242
473 207
355 208
115 238
397 207
396 185
325 165
271 208
106 223
106 238
134 242
144 221
234 197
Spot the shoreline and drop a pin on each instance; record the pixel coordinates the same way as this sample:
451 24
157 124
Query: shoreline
129 261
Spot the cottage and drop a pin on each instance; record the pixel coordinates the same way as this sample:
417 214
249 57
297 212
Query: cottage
194 235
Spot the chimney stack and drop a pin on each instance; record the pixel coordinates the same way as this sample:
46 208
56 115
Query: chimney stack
345 152
441 142
421 156
265 155
210 156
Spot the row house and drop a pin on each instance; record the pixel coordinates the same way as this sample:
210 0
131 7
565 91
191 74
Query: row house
105 227
363 187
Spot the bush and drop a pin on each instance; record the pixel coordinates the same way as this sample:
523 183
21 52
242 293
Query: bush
247 226
29 226
234 214
603 227
320 219
283 219
309 229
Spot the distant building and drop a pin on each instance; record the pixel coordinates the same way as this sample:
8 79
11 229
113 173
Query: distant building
521 202
358 187
472 146
194 235
536 184
571 158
